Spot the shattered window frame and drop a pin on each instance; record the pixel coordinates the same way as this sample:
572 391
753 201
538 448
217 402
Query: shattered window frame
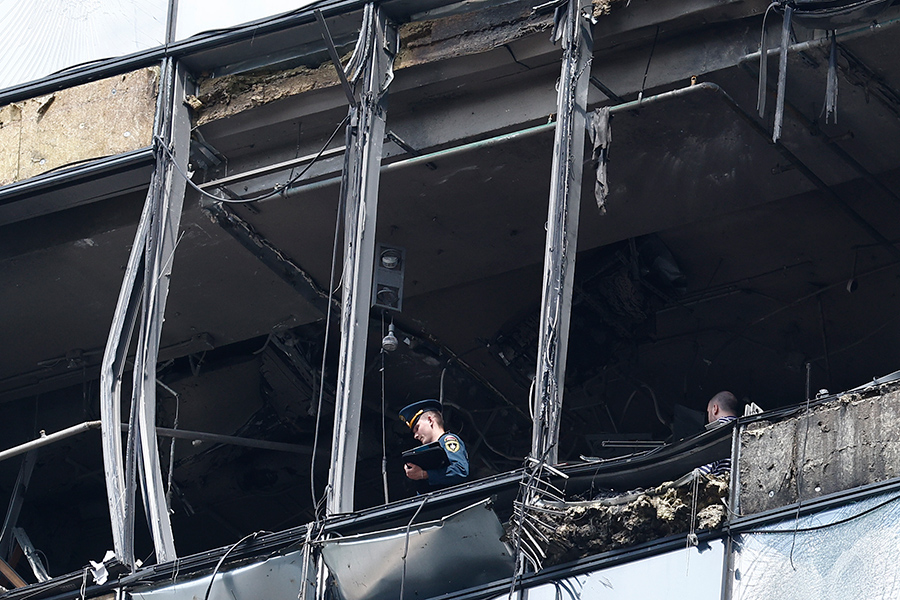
697 572
843 551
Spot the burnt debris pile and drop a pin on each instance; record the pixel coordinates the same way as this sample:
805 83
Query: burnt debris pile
559 532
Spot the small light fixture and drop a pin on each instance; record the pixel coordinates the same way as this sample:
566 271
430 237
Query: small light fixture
387 278
390 342
390 259
387 296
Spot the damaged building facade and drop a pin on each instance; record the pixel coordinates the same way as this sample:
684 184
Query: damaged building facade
229 259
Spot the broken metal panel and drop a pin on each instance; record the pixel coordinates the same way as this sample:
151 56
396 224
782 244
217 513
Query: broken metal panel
276 577
844 552
574 29
459 551
373 57
111 371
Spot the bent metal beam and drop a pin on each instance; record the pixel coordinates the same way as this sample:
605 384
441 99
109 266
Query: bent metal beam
143 297
359 196
574 30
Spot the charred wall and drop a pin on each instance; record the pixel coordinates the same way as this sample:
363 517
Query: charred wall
843 443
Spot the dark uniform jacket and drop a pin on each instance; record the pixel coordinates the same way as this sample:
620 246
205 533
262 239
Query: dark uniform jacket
458 469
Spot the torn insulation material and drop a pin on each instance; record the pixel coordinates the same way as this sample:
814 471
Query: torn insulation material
569 531
601 136
421 43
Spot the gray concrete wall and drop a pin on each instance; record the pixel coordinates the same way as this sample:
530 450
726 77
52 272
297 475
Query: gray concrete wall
851 441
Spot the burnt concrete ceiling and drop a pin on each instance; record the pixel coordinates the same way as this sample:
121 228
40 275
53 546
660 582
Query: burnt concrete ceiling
776 256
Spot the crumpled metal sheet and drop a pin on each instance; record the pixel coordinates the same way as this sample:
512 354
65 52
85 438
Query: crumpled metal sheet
277 577
460 551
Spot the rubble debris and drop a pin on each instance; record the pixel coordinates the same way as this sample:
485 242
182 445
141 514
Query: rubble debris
604 7
221 97
421 42
581 529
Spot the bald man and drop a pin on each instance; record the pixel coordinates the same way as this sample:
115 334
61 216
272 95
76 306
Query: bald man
721 409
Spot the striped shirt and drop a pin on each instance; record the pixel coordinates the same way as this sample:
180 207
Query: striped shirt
721 467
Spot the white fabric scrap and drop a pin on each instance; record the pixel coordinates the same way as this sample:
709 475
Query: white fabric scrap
98 569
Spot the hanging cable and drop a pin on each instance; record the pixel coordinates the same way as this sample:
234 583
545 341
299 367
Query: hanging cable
782 72
172 444
763 64
812 528
384 476
406 546
279 189
829 107
222 560
647 70
531 398
319 503
441 387
692 539
312 465
802 460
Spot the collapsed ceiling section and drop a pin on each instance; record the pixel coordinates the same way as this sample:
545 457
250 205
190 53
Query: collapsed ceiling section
723 260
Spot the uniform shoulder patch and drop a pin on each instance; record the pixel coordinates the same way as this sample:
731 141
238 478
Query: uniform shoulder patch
451 443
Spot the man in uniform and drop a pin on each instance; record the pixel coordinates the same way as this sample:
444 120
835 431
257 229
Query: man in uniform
426 422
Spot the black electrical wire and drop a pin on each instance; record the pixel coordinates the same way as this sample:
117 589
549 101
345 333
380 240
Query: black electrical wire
275 192
171 445
212 577
649 59
869 510
799 473
383 424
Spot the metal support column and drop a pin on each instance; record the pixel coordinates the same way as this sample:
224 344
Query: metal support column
373 57
574 30
15 503
145 287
